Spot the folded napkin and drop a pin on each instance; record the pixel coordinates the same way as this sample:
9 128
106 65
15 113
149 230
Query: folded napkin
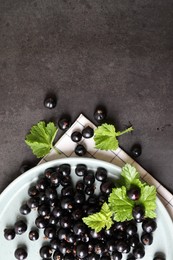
118 157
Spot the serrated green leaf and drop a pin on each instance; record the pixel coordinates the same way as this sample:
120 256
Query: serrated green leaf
106 210
130 176
120 205
95 221
105 138
148 199
41 138
100 220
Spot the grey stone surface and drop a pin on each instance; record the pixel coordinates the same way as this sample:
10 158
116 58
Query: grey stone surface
115 53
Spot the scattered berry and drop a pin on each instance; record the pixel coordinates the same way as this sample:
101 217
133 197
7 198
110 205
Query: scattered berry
76 136
50 102
100 114
80 150
64 123
136 150
33 235
20 253
87 132
9 233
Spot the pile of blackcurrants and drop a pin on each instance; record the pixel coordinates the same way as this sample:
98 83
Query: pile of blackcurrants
61 204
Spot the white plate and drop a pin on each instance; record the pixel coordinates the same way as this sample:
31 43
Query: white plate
16 193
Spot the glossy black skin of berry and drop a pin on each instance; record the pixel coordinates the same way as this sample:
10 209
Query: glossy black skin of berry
65 169
89 178
149 225
50 231
44 210
81 250
79 228
25 209
48 172
131 229
42 184
147 238
89 190
64 247
76 136
131 257
100 114
139 251
20 253
116 256
33 235
57 255
20 227
111 245
50 102
80 150
55 179
134 240
88 132
134 193
51 193
64 123
138 213
33 202
122 246
67 202
93 256
159 256
105 256
101 174
41 222
106 187
81 170
67 191
9 233
45 252
79 198
136 150
32 191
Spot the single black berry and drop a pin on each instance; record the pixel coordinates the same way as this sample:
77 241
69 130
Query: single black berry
20 227
64 123
9 233
76 136
100 114
46 252
20 253
80 150
50 102
138 213
88 132
136 150
25 209
33 235
147 238
134 193
149 225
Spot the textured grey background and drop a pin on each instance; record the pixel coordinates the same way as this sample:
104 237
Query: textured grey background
115 53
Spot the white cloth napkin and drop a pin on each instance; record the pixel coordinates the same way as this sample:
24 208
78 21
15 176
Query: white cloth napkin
118 157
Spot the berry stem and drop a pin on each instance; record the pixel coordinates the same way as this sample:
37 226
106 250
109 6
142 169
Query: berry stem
124 132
